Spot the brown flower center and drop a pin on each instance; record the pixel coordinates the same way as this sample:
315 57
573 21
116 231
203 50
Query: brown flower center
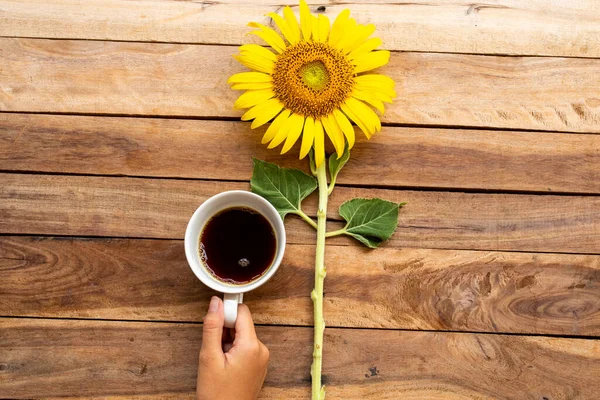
312 79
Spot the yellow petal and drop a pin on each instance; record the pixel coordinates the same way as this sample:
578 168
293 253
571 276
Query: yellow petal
254 62
264 114
376 92
376 79
323 26
368 97
337 30
319 144
366 114
351 28
372 60
314 22
356 37
357 120
259 51
308 137
305 20
292 24
282 25
345 126
294 132
249 77
252 86
255 111
275 126
252 98
378 104
365 47
283 131
376 82
269 36
335 133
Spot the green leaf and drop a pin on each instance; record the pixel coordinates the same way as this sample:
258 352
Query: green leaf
371 221
285 188
336 164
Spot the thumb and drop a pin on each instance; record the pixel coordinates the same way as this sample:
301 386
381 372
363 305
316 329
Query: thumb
244 326
212 330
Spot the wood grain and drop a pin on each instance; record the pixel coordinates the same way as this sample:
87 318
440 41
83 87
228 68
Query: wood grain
120 358
99 77
399 157
541 27
160 208
422 289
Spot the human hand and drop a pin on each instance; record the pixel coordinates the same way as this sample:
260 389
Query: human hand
230 371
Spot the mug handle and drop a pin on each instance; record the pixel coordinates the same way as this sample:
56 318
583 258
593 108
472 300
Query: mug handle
230 304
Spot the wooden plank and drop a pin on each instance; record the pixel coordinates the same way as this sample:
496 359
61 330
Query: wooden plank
438 158
85 358
171 80
541 27
267 393
388 288
160 208
163 396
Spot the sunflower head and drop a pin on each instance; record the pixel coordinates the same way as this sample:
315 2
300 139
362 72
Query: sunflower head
314 81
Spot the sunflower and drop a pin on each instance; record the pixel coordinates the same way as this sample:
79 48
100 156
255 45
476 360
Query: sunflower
314 82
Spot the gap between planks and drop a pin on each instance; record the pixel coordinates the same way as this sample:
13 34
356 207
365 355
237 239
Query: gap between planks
153 321
505 27
329 220
237 119
344 185
486 54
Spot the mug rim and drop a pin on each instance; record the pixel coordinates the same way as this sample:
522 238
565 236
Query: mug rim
192 237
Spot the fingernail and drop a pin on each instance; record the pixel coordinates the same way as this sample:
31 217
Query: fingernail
214 304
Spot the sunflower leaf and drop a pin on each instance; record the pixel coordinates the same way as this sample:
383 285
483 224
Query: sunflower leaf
370 221
336 164
284 188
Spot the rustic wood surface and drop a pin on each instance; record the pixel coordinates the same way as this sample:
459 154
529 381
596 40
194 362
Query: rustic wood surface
434 158
456 290
116 122
537 27
150 359
66 76
160 208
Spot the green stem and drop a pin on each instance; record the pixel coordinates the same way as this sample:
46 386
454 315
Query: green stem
331 185
336 233
318 391
305 217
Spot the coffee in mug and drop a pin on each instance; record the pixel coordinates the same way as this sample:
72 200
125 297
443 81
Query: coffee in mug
237 245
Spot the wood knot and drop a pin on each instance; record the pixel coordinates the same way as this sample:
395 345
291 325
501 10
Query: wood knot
139 369
373 372
526 282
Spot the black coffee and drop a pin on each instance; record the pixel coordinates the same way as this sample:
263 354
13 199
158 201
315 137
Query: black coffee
237 245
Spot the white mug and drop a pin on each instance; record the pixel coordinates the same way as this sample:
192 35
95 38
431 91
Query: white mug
233 293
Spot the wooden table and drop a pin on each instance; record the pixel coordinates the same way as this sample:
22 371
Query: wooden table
116 123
